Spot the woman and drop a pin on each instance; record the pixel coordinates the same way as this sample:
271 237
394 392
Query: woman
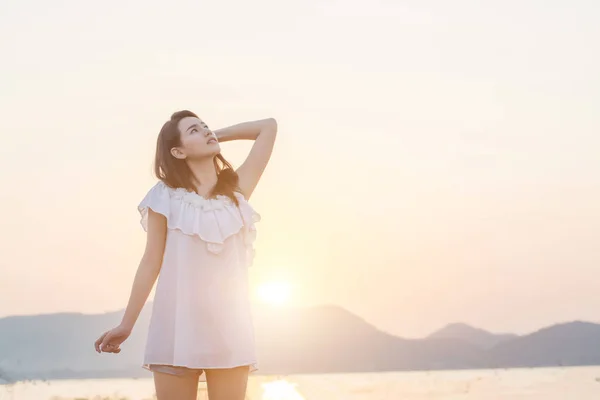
200 234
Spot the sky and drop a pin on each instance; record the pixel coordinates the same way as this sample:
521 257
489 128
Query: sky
436 161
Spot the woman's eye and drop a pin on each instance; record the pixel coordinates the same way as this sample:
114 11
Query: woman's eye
194 130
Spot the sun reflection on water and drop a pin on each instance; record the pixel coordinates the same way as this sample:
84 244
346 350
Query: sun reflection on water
280 390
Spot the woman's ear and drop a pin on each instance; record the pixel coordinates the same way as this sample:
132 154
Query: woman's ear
177 153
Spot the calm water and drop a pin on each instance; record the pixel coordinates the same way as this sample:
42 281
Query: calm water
530 384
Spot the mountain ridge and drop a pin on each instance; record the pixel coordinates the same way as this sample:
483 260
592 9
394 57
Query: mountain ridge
478 336
318 339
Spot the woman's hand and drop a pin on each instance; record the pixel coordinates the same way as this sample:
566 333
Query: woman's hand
110 341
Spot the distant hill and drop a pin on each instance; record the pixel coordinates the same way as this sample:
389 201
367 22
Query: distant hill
331 339
574 343
290 340
61 345
469 334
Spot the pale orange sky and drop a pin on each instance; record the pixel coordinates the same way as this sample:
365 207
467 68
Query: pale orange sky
436 162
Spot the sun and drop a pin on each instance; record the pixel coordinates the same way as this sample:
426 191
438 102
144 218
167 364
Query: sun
274 293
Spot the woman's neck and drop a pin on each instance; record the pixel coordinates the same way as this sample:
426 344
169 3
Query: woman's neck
204 173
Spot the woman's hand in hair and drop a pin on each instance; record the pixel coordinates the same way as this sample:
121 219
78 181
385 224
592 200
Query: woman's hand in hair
263 132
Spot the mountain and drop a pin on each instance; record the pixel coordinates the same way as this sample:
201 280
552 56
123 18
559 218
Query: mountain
469 334
325 339
574 343
331 339
61 345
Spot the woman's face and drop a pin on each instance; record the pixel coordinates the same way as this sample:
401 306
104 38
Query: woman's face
197 140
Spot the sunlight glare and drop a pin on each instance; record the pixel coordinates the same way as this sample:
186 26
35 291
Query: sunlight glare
274 293
280 390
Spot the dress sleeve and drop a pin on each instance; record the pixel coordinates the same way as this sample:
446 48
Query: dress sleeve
158 199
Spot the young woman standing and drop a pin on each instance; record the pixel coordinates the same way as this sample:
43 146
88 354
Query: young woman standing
200 233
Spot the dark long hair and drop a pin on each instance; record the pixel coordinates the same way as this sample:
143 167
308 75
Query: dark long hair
176 173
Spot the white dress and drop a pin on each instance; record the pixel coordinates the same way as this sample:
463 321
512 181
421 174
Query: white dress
201 316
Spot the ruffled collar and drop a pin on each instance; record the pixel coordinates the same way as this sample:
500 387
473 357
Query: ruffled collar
205 204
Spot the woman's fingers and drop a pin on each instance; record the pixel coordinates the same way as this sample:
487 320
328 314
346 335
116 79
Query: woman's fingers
97 344
112 348
105 345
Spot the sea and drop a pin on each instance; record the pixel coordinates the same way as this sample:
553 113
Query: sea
568 383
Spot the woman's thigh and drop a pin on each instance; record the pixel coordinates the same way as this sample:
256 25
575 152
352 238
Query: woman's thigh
170 386
227 384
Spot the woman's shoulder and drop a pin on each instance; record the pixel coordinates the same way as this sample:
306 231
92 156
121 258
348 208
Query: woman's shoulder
158 186
157 199
159 190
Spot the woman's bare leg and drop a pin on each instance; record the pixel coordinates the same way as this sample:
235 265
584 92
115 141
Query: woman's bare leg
227 384
175 387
